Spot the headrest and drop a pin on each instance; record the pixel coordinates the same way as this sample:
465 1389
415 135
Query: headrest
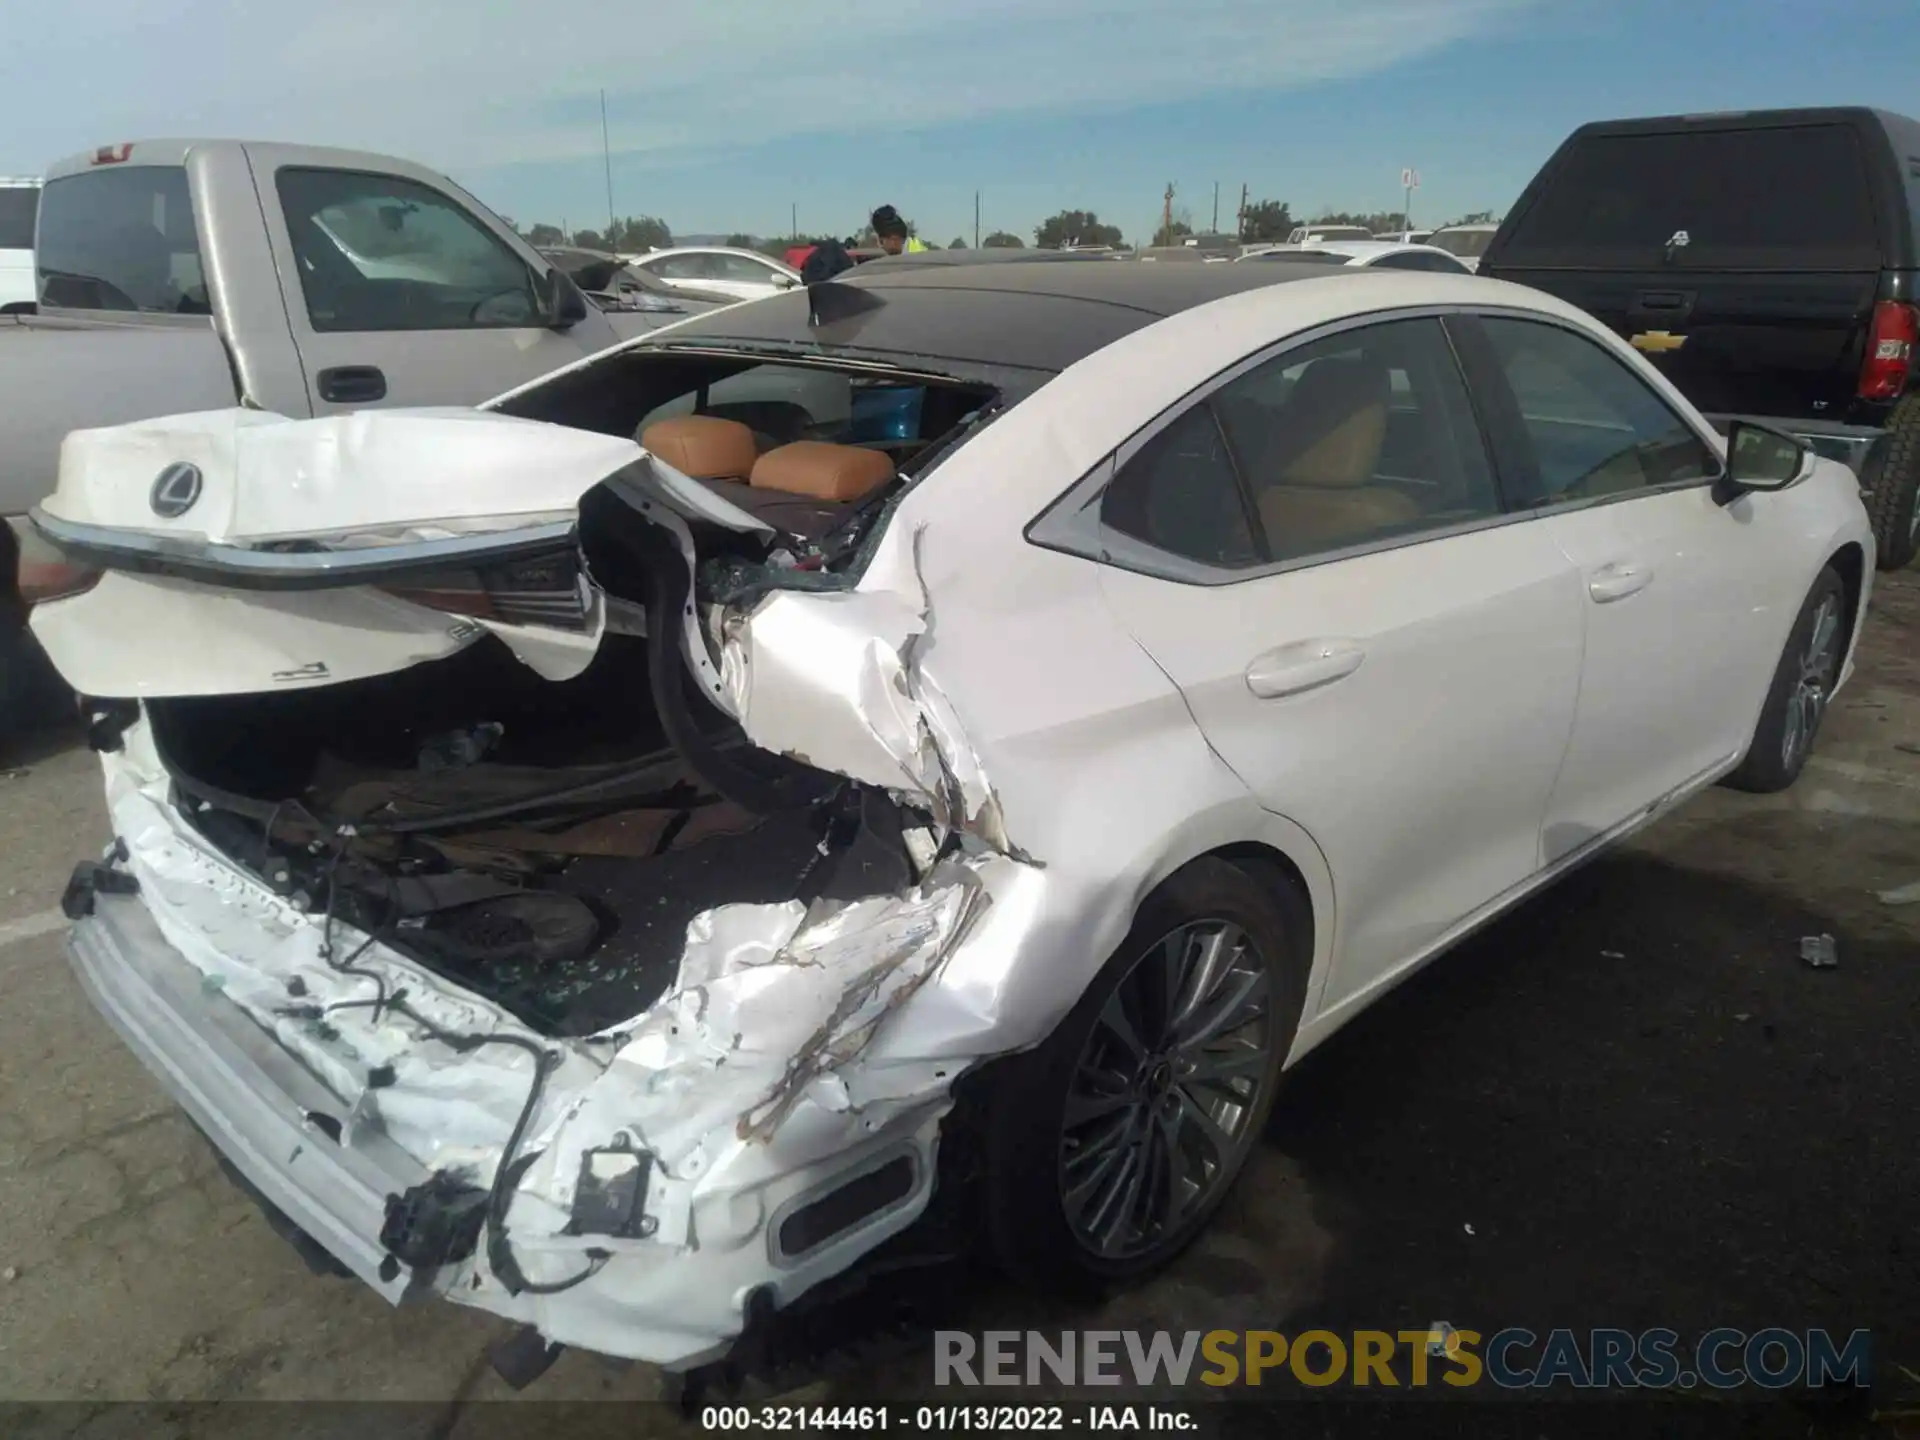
838 473
702 447
1337 422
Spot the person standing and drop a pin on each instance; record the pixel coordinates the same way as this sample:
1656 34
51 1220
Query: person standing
891 231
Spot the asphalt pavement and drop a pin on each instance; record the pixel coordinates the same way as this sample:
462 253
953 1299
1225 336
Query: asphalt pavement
1629 1104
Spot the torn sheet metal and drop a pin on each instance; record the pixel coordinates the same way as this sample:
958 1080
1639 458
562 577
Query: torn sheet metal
839 681
747 1084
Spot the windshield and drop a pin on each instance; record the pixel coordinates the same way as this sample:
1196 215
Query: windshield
1468 244
1789 195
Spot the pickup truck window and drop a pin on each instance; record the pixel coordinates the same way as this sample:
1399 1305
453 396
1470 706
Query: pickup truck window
121 239
1784 196
17 204
380 253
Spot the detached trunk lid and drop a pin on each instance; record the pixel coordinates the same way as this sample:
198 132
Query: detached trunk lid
309 552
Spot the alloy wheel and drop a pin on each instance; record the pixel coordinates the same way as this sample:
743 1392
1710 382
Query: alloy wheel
1161 1107
1807 700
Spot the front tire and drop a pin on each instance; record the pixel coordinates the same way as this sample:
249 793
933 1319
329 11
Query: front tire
1802 685
1894 505
1111 1145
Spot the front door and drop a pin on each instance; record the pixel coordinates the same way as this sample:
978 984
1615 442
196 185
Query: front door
1681 592
398 294
1379 652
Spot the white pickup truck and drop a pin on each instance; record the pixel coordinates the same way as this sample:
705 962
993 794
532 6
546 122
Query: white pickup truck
184 275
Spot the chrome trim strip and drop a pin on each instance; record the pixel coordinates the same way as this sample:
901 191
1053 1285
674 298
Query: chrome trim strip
243 568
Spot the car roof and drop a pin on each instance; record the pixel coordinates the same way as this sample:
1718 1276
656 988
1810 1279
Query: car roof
1030 313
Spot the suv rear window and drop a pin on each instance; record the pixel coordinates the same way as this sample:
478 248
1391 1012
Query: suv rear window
17 206
1785 197
121 239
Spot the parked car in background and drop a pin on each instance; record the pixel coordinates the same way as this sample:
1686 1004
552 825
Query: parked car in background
1468 242
743 274
1405 237
614 283
343 280
19 202
1314 234
1292 623
1765 261
1366 254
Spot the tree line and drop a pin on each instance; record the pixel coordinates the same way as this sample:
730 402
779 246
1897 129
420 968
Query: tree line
1262 222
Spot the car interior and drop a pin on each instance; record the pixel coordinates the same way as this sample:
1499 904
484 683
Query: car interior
804 448
1346 448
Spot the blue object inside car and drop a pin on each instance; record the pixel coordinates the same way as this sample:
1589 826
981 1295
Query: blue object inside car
886 412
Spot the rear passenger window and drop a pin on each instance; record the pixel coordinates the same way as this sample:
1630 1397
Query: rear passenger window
1363 437
1594 427
1180 494
121 239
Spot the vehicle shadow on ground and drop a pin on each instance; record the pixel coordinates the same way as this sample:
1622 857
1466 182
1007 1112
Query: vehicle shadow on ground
1628 1104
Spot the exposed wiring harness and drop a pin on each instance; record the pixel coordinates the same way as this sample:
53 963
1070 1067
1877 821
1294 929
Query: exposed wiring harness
500 1257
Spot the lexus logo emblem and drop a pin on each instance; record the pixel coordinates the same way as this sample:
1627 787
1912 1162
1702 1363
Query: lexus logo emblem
175 491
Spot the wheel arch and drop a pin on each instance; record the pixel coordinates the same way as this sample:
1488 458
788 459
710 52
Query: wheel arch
1850 563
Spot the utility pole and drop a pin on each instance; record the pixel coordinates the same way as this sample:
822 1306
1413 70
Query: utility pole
606 155
793 220
976 219
1216 208
1166 216
1242 230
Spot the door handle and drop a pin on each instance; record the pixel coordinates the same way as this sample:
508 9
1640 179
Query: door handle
351 384
1617 581
1307 665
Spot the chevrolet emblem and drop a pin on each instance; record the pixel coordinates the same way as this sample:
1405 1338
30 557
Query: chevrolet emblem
1657 342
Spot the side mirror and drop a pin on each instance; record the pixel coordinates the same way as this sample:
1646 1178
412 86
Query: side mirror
568 306
784 282
1760 457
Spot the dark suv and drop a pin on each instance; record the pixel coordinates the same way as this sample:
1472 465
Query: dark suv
1764 260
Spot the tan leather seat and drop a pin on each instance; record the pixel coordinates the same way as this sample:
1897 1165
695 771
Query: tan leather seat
702 446
1319 495
839 474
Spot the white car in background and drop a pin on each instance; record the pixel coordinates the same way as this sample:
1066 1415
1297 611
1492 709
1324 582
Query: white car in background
744 274
1405 237
573 873
1469 242
1315 234
19 204
1364 254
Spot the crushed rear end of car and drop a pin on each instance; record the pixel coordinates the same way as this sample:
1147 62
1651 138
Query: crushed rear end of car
549 910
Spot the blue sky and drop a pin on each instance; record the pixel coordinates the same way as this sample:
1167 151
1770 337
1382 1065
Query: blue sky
723 113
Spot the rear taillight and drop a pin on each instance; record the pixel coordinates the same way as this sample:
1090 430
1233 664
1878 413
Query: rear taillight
46 574
1896 327
545 590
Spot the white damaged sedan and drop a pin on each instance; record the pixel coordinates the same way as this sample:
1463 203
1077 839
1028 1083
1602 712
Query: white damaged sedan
602 857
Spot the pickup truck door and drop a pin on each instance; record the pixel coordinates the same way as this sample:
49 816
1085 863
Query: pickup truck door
400 289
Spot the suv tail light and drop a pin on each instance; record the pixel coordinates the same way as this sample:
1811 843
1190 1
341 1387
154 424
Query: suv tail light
1896 327
46 574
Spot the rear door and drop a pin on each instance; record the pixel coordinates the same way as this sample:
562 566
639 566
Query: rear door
1742 261
1316 554
399 291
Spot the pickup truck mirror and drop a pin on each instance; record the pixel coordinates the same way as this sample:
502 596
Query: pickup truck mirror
1760 457
567 306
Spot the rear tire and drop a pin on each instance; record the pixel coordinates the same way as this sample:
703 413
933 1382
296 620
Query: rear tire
1802 684
1163 1114
1894 504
